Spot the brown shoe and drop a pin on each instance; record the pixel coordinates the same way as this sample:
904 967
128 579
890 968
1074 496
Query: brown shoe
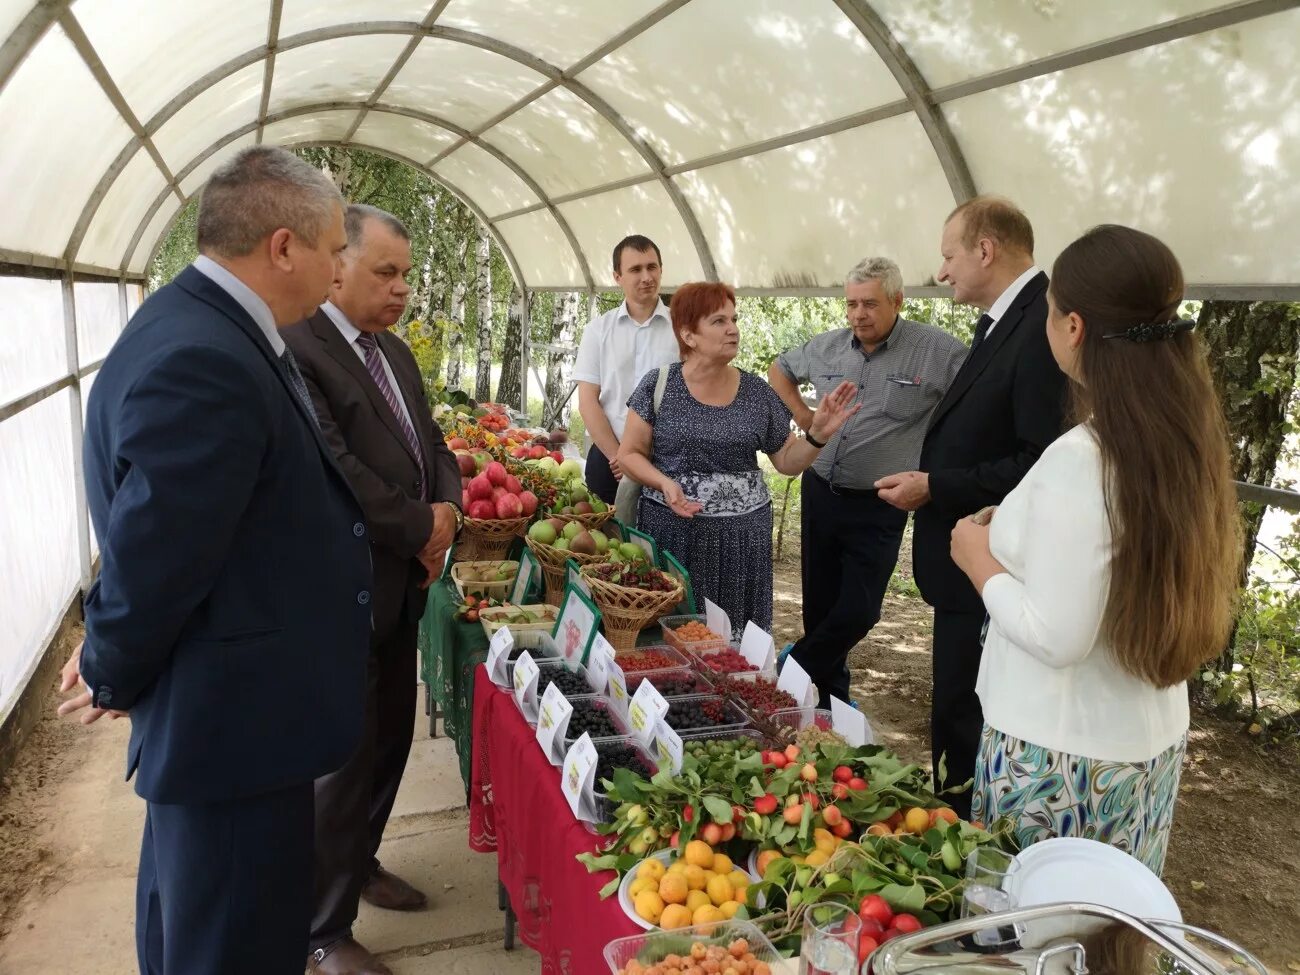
345 957
392 893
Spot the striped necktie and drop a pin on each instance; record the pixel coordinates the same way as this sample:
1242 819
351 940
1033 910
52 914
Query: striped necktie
297 382
375 366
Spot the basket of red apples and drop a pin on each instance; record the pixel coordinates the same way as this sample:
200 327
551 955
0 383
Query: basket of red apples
497 509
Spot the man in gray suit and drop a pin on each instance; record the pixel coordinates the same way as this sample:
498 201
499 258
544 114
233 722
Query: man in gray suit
369 398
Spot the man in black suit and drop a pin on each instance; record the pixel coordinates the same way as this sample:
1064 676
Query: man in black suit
373 412
1003 409
235 578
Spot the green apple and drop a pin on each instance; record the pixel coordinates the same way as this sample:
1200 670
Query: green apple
598 506
571 529
632 552
571 469
542 532
601 540
547 463
562 544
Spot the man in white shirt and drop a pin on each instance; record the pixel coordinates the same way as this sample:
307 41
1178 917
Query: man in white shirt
616 350
1002 410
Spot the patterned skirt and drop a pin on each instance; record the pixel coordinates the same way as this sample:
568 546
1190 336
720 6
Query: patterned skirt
1048 793
729 558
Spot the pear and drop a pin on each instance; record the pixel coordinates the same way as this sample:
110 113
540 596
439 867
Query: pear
583 543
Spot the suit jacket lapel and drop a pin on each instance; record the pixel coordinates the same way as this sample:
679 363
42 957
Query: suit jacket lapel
347 357
208 291
977 361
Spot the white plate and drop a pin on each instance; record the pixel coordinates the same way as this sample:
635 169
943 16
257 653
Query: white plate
625 901
1073 869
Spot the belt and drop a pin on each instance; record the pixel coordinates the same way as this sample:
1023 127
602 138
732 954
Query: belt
845 492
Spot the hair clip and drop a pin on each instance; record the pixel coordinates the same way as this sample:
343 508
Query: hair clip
1154 331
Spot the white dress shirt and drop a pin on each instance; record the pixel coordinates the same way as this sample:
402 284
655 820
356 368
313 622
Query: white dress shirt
1047 675
999 307
350 335
615 352
248 299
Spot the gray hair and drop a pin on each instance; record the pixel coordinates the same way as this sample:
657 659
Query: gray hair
260 190
880 269
356 215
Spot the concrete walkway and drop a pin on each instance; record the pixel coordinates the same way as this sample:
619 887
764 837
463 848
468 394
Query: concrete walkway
84 923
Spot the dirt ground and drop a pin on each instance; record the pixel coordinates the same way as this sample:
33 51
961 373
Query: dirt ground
1234 858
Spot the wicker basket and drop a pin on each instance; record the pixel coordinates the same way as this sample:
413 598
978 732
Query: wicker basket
496 589
594 520
488 539
553 570
627 611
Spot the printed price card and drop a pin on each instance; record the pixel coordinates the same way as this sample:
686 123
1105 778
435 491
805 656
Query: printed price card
717 619
578 779
598 661
527 574
616 688
552 721
794 680
643 714
758 647
668 745
850 723
526 685
573 577
498 653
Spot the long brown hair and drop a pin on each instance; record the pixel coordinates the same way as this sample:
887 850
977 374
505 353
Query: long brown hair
1172 507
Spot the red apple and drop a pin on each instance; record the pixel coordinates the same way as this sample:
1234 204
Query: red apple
513 485
840 791
842 773
536 452
875 906
480 488
481 509
496 473
466 464
465 500
528 501
857 784
458 443
843 829
557 457
498 492
907 923
508 506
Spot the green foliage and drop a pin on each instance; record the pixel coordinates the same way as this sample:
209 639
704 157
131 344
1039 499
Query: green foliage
178 249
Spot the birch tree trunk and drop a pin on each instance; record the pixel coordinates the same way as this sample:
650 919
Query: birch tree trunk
456 334
483 287
564 320
509 387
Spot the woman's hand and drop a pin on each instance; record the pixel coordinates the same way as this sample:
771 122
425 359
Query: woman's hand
680 504
970 551
833 411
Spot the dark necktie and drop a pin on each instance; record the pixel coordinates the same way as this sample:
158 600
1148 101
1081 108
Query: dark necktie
375 366
981 329
297 382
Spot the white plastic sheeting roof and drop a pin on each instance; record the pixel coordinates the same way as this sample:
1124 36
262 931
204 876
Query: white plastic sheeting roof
769 143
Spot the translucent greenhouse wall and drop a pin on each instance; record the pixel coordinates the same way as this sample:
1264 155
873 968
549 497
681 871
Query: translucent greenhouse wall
52 339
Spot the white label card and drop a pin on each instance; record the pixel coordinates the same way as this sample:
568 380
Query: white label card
758 647
526 685
523 577
578 779
575 579
794 680
668 746
498 653
616 688
552 721
574 628
850 723
643 714
716 619
598 661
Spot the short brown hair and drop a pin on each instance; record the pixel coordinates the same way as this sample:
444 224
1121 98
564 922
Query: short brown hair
996 218
1177 556
693 302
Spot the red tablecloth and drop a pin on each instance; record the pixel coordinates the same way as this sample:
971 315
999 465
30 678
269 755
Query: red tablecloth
517 809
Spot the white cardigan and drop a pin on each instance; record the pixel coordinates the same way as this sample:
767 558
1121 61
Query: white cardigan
1047 676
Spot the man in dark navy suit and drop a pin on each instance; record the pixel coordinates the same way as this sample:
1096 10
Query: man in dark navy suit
1003 409
234 592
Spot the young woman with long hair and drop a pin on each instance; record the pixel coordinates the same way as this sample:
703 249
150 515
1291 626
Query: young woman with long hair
1109 575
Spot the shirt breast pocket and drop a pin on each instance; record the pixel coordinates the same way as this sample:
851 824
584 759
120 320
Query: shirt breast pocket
826 383
905 402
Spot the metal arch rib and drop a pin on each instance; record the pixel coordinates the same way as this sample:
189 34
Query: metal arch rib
423 167
268 74
307 110
899 62
24 37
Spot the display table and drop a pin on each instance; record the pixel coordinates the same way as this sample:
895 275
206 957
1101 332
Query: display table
450 652
517 809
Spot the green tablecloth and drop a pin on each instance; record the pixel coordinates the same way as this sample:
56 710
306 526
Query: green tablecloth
449 652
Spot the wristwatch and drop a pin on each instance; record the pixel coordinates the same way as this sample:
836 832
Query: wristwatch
460 515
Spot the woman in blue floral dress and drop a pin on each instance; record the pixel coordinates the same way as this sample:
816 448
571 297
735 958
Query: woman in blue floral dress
1109 573
704 498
